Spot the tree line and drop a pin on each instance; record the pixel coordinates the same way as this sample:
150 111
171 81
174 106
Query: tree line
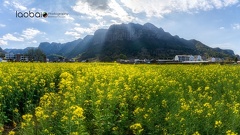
36 54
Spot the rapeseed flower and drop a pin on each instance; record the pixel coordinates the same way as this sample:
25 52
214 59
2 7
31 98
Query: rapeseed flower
11 133
196 133
230 132
218 124
137 128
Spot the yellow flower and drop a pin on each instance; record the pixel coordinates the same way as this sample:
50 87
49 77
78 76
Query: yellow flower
145 116
11 133
52 85
27 117
229 132
15 110
135 98
109 96
64 119
218 124
185 106
207 88
196 133
138 110
78 112
164 103
39 111
207 105
42 82
14 124
46 131
137 128
115 128
98 102
74 133
54 114
23 125
1 129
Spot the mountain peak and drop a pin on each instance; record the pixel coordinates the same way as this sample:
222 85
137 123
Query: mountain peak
100 31
150 25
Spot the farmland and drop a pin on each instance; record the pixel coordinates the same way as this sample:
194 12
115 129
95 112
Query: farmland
100 98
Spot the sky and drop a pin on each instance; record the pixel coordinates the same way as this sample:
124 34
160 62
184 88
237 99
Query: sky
215 23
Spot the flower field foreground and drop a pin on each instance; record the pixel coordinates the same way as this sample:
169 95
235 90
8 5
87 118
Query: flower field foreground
98 98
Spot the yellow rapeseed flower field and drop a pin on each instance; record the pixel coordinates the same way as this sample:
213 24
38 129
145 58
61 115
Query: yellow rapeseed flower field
110 98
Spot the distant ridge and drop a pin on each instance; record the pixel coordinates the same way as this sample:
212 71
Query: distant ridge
131 41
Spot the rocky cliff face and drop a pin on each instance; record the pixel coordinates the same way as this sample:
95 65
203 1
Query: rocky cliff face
139 41
135 31
50 48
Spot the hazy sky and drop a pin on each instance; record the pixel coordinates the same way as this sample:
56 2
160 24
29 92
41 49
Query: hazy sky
216 23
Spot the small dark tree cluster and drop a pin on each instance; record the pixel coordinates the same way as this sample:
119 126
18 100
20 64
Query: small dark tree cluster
36 55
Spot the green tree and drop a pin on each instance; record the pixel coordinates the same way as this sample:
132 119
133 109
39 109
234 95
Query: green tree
236 60
36 55
122 56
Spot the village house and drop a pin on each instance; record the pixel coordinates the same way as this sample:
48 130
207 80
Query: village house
16 57
182 58
213 59
21 57
9 56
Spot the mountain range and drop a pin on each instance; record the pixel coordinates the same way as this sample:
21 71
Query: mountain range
128 41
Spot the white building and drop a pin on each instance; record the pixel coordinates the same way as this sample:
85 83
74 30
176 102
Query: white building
213 59
24 58
199 58
9 56
182 58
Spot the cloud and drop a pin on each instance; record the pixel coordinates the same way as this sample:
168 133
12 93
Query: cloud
222 28
2 25
42 20
230 2
6 3
111 9
83 30
236 26
119 9
74 34
2 42
79 31
30 33
10 37
39 20
34 41
89 30
97 4
19 6
15 4
69 18
158 8
77 24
